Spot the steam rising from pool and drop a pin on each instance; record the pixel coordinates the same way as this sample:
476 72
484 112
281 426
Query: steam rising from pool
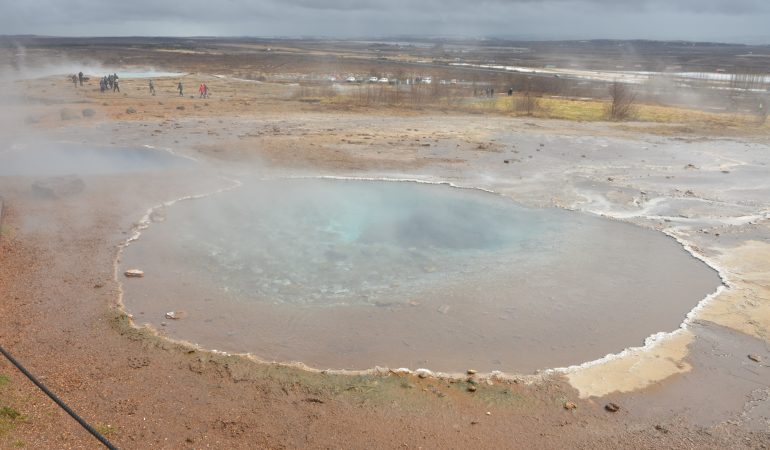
353 274
324 243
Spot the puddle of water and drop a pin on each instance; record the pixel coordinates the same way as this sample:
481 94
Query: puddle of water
83 160
353 274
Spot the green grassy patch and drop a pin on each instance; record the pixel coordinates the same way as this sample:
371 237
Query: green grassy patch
8 419
104 429
6 412
5 232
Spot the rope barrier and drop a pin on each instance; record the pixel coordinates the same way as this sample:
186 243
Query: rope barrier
58 401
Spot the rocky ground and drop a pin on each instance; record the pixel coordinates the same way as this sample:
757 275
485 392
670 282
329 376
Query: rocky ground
60 305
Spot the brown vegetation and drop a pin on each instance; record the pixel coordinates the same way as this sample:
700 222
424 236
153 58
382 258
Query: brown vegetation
622 104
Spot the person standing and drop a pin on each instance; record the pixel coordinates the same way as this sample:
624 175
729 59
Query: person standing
152 87
80 77
201 90
179 86
115 86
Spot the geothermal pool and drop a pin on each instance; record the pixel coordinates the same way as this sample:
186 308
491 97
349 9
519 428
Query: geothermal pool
350 274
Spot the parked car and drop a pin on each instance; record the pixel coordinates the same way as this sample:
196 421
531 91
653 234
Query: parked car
373 79
350 79
383 80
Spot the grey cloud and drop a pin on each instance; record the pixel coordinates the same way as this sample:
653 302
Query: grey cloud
542 19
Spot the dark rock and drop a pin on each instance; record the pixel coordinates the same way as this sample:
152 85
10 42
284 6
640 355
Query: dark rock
180 107
755 358
58 187
88 112
612 407
130 110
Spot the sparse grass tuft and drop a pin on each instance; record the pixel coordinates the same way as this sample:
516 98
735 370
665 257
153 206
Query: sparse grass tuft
6 232
9 413
8 419
4 380
104 429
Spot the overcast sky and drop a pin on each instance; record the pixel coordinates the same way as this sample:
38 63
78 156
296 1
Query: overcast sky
711 20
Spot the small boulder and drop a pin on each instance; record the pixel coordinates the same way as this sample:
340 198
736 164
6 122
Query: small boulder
88 112
755 358
569 406
130 110
134 273
423 373
612 407
176 315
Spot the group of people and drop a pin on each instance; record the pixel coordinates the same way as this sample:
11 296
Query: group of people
79 77
109 82
203 90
